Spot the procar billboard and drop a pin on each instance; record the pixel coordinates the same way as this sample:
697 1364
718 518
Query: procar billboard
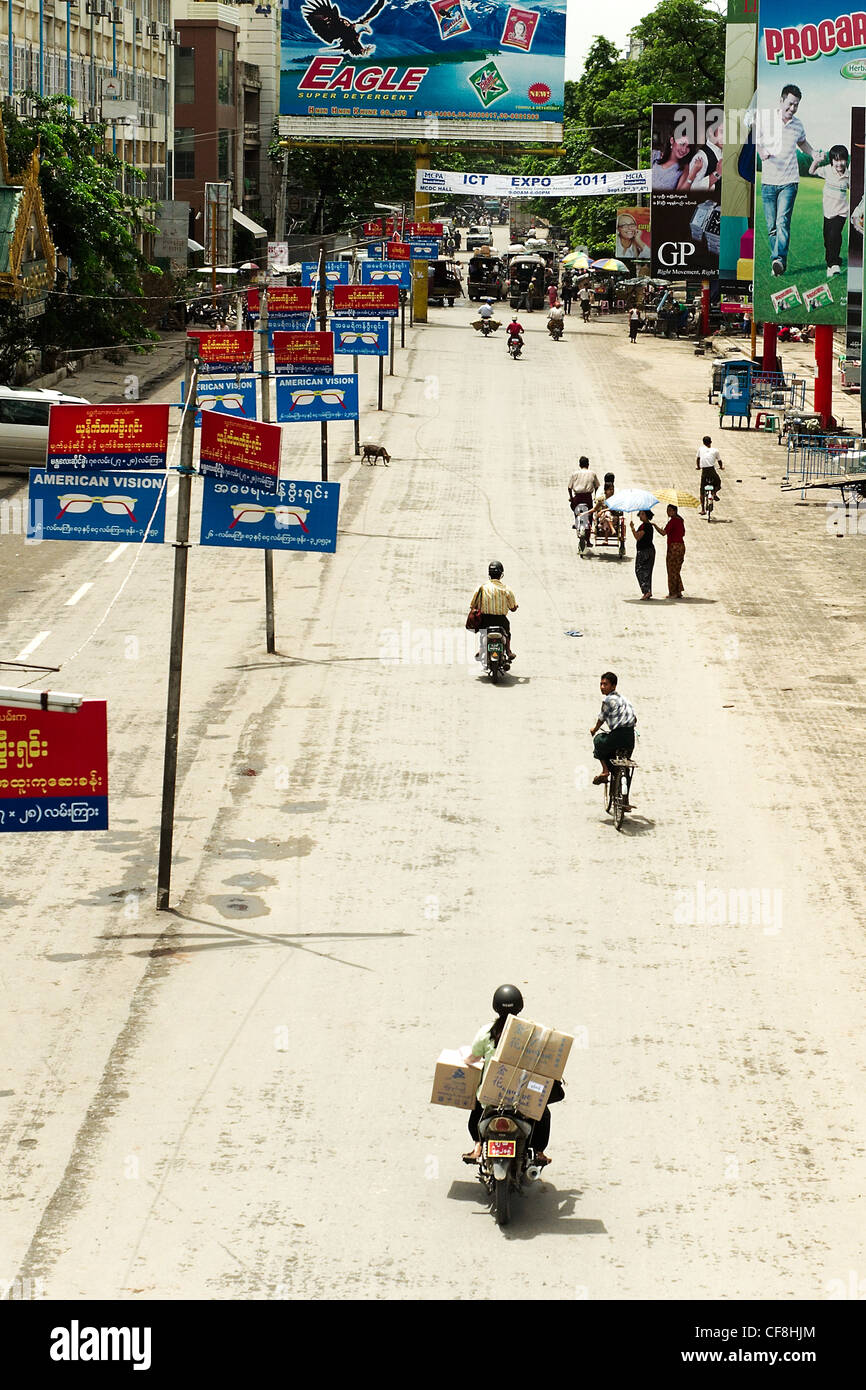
453 59
810 76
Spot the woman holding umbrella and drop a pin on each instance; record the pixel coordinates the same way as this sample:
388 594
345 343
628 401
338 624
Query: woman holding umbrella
674 531
645 553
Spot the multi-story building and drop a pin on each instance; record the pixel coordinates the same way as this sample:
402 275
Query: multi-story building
110 56
226 85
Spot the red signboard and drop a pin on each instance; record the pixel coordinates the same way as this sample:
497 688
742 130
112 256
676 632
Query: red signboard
372 229
309 352
94 438
244 451
220 349
54 768
253 302
290 299
398 251
371 300
431 230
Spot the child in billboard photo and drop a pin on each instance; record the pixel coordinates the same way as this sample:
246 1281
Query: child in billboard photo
779 134
833 169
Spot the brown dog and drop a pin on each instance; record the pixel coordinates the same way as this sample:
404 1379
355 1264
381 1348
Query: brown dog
371 452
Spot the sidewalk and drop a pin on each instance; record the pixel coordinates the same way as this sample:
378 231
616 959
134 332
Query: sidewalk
102 382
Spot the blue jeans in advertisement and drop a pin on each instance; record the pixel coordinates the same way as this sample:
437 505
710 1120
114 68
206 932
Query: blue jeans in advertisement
778 200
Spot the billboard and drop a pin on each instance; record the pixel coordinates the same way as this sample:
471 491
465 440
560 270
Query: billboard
855 233
453 59
97 438
632 234
739 150
686 190
54 768
809 79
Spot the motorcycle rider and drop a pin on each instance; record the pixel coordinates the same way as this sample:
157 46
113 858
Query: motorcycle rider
555 314
506 1000
485 309
582 487
514 332
495 602
583 296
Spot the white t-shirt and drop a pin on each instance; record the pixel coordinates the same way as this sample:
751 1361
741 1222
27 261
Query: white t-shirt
486 311
835 191
708 458
780 140
556 312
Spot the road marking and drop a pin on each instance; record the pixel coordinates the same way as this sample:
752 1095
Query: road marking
110 559
31 646
79 594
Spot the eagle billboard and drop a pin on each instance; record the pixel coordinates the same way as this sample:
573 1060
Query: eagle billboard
454 59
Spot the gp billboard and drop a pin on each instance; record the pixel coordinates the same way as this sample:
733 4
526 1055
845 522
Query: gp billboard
686 190
453 59
810 76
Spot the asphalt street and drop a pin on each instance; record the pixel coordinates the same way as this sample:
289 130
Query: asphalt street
231 1100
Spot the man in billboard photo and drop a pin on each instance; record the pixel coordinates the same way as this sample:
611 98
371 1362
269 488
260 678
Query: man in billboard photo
779 134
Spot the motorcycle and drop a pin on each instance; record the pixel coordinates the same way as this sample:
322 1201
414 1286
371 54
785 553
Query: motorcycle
515 347
487 328
555 328
494 653
507 1158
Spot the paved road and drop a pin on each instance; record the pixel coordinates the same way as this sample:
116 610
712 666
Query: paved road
231 1100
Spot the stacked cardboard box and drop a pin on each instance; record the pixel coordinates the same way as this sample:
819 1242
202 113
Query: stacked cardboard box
455 1082
527 1061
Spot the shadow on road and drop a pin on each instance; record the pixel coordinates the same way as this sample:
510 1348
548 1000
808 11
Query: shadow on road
541 1210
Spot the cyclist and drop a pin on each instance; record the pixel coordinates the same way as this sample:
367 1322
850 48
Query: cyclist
619 715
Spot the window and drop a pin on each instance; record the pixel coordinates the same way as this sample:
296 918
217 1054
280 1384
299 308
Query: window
226 165
184 152
184 76
24 412
225 77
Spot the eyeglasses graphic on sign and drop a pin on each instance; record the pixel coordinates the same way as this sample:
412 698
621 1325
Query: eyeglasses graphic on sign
377 275
233 403
251 513
331 397
329 275
359 338
78 503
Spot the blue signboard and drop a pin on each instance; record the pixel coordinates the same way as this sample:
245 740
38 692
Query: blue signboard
225 395
387 273
361 337
424 249
454 59
303 398
302 516
96 506
336 273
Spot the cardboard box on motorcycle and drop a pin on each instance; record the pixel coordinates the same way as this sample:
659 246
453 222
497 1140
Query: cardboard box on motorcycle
456 1082
516 1087
531 1045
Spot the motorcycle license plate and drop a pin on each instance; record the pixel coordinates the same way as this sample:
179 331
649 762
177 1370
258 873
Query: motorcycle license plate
501 1148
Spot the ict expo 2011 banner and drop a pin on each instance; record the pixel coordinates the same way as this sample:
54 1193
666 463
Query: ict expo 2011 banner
454 59
811 67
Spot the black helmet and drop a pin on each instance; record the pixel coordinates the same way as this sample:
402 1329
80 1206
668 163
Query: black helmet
507 1000
495 569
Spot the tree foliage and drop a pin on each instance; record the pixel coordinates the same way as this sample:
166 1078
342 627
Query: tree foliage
93 221
680 56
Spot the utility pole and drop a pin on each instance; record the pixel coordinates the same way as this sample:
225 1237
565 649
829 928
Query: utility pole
322 309
178 613
265 376
422 214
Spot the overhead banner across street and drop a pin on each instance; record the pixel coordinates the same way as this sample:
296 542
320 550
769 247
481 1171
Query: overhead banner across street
533 185
451 59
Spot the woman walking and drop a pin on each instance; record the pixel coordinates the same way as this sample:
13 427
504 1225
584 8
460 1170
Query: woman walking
675 530
645 553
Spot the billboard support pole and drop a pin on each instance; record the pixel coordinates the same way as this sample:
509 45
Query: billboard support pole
357 421
178 613
391 336
381 380
771 333
824 363
422 214
705 308
402 318
754 335
264 369
322 309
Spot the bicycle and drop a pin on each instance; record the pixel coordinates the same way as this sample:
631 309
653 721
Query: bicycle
617 789
709 500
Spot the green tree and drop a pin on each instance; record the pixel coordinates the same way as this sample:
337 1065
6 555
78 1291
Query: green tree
95 223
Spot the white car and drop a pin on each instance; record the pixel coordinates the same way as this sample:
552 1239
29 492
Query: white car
478 235
24 425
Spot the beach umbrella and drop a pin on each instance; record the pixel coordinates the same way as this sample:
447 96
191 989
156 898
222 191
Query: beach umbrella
678 498
632 499
610 264
576 260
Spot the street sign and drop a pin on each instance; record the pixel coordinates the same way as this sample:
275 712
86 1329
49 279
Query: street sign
303 352
368 301
290 299
224 395
424 250
54 768
219 350
107 437
336 273
246 451
397 273
398 251
107 506
303 398
301 516
286 323
361 337
425 229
